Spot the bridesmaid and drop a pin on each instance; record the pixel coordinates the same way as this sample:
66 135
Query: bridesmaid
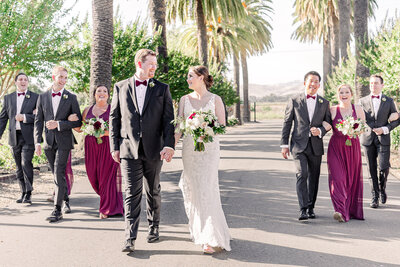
344 162
103 172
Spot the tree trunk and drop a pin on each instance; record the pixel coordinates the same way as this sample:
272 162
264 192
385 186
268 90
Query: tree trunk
361 40
245 75
102 45
157 15
236 77
344 28
201 33
334 34
327 63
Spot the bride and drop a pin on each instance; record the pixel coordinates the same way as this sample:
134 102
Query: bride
199 179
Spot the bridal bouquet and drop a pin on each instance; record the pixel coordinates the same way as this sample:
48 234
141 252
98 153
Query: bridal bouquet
351 128
95 127
202 126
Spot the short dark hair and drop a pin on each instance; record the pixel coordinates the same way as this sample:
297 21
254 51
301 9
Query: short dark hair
377 76
20 74
312 73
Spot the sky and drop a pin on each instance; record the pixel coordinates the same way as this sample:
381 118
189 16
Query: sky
288 60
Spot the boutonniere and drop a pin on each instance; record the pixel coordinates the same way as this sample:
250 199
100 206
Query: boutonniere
151 84
28 96
321 101
383 99
65 96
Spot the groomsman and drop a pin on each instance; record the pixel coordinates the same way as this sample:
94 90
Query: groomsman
18 109
53 109
307 111
376 139
141 136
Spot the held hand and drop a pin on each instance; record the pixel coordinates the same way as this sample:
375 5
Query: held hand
167 154
73 117
34 112
394 116
115 156
38 150
314 131
285 152
326 125
19 117
378 131
51 124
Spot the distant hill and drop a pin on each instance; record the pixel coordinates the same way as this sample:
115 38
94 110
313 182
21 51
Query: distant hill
281 89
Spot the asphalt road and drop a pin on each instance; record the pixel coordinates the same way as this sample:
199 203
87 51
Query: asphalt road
260 203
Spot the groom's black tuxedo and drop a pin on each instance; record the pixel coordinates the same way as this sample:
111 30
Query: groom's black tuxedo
21 140
307 150
140 136
57 142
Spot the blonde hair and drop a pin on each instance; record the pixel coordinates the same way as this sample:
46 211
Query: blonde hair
344 85
58 69
142 54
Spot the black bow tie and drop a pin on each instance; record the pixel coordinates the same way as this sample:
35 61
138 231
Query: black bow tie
139 83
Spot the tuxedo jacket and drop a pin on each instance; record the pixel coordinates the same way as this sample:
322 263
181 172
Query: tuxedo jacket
373 120
63 137
297 113
8 113
153 126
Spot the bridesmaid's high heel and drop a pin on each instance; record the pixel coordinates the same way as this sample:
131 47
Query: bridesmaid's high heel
338 217
103 216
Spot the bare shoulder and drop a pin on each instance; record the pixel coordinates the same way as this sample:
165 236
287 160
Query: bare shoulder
218 99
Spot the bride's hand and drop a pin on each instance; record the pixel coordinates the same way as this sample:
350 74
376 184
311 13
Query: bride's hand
394 116
73 117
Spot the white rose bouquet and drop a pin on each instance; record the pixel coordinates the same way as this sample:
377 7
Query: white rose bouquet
351 128
202 126
95 127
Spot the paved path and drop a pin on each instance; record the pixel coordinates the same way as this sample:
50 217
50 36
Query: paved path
260 203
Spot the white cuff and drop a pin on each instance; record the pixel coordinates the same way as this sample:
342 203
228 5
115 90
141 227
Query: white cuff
284 146
385 130
320 133
38 144
169 148
58 125
24 121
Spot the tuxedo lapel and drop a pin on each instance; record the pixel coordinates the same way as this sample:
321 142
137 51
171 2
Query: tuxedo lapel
14 104
303 107
26 99
50 102
149 93
317 108
132 92
371 106
382 104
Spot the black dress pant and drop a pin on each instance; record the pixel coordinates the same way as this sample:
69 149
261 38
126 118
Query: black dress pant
133 171
308 167
58 162
377 153
23 154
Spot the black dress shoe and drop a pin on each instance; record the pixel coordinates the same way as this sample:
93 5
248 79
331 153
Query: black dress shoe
303 215
153 234
55 216
311 214
129 246
374 203
27 199
19 200
67 207
383 197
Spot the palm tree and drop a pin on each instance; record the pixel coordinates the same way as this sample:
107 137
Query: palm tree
157 14
361 40
236 78
201 11
344 26
102 45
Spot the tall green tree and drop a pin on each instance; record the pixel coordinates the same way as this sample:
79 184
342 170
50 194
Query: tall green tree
157 14
202 11
102 45
30 38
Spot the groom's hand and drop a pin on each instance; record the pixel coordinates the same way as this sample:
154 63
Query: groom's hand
285 152
115 156
167 154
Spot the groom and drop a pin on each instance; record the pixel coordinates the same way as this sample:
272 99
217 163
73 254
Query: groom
141 136
307 111
376 139
53 109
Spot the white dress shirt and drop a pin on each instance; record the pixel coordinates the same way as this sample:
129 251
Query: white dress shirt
140 93
376 103
20 100
55 101
311 102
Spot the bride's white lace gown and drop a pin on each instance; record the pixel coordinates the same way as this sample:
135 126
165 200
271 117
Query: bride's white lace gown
200 189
